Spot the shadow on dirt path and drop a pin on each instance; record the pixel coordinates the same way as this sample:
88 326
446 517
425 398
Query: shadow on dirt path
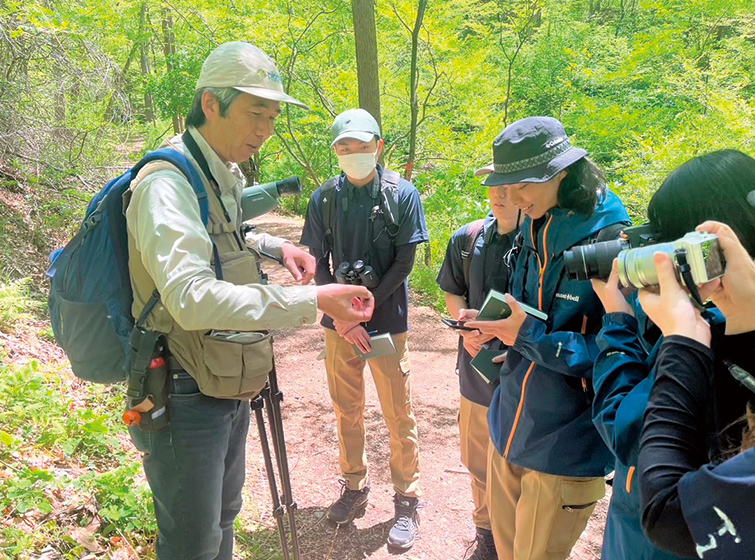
312 444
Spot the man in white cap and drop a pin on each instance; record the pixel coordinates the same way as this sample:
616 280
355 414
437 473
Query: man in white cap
369 215
208 286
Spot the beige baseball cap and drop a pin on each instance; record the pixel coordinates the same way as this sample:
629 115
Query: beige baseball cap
242 66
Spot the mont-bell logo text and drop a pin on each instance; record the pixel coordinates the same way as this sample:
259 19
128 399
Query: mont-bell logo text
568 297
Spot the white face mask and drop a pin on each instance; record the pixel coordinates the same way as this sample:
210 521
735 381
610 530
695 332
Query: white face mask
358 166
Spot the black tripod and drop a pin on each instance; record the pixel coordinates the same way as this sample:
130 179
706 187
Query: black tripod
270 399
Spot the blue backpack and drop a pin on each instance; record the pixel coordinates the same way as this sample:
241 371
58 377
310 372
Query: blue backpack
90 293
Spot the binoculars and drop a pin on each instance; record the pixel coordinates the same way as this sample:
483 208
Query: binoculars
359 273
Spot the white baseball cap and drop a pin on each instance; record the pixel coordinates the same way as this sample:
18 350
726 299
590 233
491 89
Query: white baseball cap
242 66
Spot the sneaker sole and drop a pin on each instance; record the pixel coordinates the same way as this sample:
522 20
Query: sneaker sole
356 514
395 546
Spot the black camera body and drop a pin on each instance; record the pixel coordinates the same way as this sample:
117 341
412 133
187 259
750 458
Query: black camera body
699 252
359 273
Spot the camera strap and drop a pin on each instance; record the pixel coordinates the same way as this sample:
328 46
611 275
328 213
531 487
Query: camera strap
685 272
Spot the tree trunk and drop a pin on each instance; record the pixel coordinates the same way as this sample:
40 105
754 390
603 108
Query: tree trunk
413 84
169 49
365 39
149 113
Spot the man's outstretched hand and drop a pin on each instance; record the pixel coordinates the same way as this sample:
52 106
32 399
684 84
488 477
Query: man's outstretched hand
346 303
298 262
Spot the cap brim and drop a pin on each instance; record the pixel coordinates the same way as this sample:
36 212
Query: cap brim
487 170
538 174
357 134
272 95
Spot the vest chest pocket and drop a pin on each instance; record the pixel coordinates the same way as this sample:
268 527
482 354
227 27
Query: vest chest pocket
239 267
237 364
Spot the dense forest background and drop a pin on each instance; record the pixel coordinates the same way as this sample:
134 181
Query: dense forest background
88 86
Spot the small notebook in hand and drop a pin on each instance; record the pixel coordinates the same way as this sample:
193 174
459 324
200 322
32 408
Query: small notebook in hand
495 307
483 364
380 344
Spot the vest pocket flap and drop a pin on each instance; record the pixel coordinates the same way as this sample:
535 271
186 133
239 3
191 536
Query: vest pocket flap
239 268
238 363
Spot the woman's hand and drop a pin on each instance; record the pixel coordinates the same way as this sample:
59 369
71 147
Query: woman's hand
505 330
734 292
670 307
610 294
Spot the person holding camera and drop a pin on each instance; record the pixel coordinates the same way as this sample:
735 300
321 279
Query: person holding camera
477 260
208 282
363 227
625 370
696 463
547 462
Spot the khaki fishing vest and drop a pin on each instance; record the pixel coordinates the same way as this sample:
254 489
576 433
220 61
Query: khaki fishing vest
226 365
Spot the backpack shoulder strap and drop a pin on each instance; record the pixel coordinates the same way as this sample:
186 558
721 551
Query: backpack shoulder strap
471 234
180 162
328 191
389 199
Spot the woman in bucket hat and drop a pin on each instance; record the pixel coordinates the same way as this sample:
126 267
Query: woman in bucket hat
547 461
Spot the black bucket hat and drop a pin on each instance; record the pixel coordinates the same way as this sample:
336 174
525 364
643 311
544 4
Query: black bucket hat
531 150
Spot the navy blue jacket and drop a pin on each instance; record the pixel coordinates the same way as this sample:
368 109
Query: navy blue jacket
540 415
622 378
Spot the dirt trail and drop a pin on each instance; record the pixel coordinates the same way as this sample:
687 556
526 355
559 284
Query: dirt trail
312 444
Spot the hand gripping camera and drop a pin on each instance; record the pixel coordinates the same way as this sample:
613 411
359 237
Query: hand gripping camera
697 254
359 273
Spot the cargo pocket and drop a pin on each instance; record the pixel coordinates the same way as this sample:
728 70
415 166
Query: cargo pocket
578 499
88 337
237 364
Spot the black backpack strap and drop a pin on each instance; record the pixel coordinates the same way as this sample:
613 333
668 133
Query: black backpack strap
471 234
328 191
389 200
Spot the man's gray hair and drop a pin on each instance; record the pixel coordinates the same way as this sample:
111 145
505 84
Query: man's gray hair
225 97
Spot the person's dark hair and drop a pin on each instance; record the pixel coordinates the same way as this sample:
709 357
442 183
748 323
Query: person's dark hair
713 186
580 188
225 97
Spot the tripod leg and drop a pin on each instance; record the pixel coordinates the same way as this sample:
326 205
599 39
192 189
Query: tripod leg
257 405
273 399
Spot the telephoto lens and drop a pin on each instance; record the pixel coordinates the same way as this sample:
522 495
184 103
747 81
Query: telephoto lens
594 260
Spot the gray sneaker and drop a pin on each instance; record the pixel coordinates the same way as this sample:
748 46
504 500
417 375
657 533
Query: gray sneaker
351 505
405 523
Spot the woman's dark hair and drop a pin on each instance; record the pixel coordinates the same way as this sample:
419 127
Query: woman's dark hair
716 186
579 189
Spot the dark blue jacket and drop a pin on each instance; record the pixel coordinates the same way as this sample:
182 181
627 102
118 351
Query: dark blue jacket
622 378
540 415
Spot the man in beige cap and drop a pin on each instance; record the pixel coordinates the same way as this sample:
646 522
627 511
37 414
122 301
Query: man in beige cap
211 300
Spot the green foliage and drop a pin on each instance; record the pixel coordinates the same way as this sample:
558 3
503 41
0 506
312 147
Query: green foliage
16 304
61 454
642 85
